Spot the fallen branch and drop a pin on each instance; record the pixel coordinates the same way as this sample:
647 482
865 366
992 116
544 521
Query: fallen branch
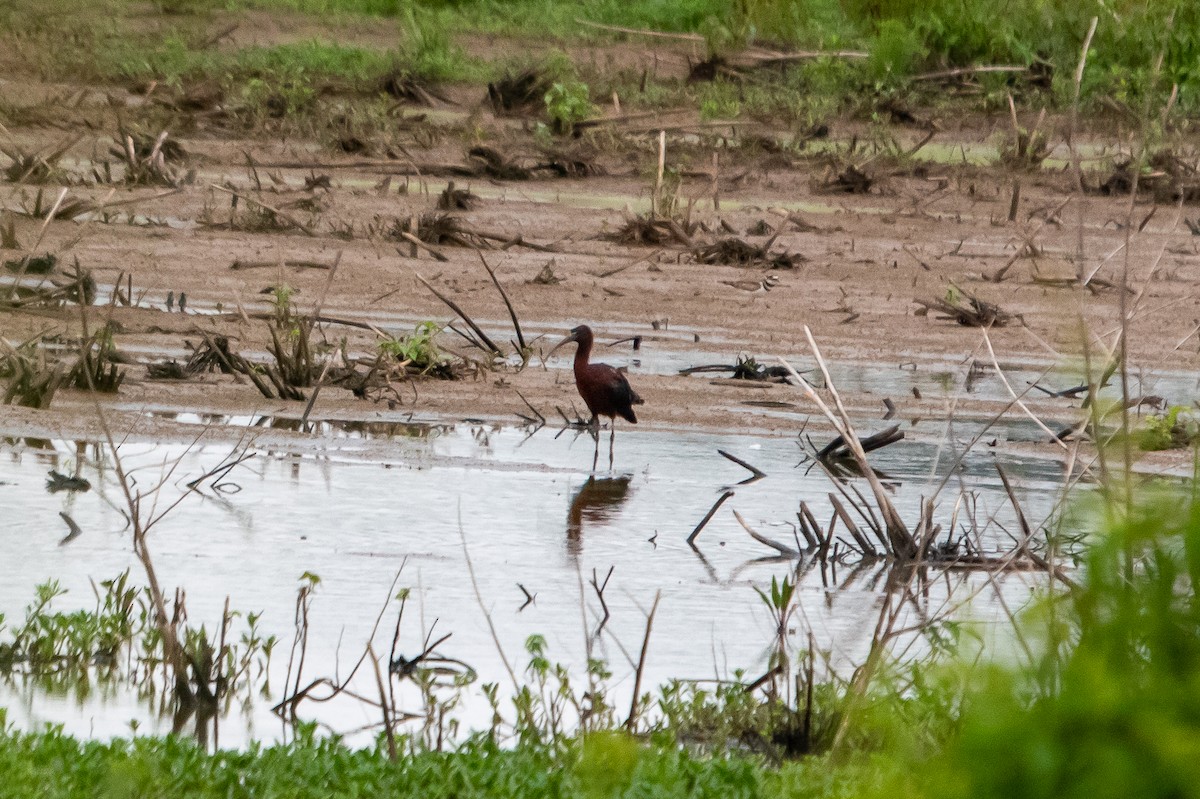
768 58
239 264
837 449
416 242
974 312
963 71
711 512
758 473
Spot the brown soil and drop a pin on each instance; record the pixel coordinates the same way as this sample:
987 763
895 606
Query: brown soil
914 234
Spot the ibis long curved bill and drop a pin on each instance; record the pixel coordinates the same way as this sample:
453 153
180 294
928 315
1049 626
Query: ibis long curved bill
569 339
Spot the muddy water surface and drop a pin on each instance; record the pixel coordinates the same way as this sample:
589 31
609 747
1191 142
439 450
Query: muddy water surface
518 505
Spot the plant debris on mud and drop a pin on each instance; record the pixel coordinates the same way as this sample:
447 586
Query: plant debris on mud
653 231
966 309
733 251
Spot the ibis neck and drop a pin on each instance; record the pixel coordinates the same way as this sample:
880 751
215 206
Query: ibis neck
583 352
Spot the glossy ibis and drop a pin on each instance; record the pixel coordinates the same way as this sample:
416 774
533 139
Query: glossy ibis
604 389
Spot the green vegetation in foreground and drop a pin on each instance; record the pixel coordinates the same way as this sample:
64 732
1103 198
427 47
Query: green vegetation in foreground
1099 698
1108 704
50 765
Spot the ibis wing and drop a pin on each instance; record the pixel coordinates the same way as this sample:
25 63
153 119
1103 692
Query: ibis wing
618 396
627 398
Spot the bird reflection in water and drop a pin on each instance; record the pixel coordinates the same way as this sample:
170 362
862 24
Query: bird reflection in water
596 502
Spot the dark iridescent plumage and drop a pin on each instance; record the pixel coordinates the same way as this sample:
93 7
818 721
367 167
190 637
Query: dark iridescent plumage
605 390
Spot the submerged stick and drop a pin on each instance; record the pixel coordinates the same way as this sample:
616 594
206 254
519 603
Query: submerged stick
73 529
823 539
752 469
840 510
782 549
599 588
711 512
528 404
832 450
809 538
1026 530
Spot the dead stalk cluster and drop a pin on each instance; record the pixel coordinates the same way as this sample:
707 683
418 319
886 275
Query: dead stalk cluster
873 529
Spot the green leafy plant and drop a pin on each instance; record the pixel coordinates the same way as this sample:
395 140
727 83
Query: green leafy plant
418 349
567 102
1178 427
720 102
278 95
182 6
97 369
297 362
116 642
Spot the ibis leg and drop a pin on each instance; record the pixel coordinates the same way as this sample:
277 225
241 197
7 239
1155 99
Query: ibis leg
611 435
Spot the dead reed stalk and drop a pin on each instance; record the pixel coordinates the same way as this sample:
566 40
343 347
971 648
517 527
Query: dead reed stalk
631 721
901 542
488 345
507 303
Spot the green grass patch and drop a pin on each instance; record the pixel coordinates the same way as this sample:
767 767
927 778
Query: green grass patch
175 58
529 17
120 39
53 766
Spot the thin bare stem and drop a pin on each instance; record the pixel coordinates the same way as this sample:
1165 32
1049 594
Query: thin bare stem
631 722
479 598
383 705
1071 142
504 296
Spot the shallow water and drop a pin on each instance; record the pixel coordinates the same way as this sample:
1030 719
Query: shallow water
670 350
523 507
